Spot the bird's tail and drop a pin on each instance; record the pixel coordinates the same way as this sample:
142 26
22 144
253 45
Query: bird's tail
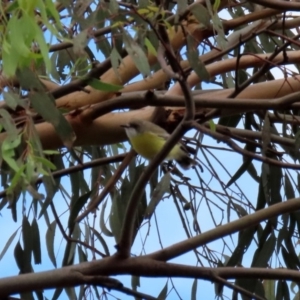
186 162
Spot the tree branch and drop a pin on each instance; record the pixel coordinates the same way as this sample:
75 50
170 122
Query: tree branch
227 229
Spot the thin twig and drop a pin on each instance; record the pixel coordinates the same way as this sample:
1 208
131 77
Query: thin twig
74 169
69 239
110 184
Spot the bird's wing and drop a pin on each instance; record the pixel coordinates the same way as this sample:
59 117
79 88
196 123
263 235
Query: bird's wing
165 136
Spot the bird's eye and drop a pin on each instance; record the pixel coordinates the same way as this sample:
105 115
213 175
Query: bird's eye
133 125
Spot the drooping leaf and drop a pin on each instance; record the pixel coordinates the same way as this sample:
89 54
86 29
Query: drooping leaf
201 14
137 54
44 105
51 187
80 42
194 290
36 243
50 235
162 187
103 227
116 60
282 292
82 256
12 100
163 293
263 255
241 170
289 191
101 240
135 282
193 58
103 86
269 287
76 206
27 240
8 243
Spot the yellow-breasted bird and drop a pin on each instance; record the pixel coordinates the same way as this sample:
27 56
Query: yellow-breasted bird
147 139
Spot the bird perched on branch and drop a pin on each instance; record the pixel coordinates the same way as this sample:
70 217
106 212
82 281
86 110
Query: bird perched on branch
147 139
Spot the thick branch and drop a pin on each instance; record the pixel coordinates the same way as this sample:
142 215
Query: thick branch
227 229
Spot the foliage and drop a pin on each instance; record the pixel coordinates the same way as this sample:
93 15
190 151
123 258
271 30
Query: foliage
78 204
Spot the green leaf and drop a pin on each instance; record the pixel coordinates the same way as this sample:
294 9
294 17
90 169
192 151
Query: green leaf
216 5
51 187
162 187
269 287
212 125
50 235
117 213
151 49
288 188
135 282
19 256
17 178
45 162
102 221
163 293
69 254
261 197
12 100
76 206
290 260
113 7
44 105
102 86
137 54
27 239
194 60
245 238
8 123
262 256
12 6
201 14
51 152
266 135
80 42
274 183
8 243
82 256
282 292
194 290
116 59
101 240
36 242
241 170
29 80
120 201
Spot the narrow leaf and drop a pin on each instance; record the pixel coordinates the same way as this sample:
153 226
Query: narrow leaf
8 243
76 207
103 86
36 242
162 187
103 227
194 290
137 54
44 105
50 234
163 293
194 60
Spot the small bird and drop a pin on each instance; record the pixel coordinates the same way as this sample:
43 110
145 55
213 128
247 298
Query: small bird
147 139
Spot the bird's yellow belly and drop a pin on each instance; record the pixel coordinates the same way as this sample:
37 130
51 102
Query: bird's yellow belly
148 145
